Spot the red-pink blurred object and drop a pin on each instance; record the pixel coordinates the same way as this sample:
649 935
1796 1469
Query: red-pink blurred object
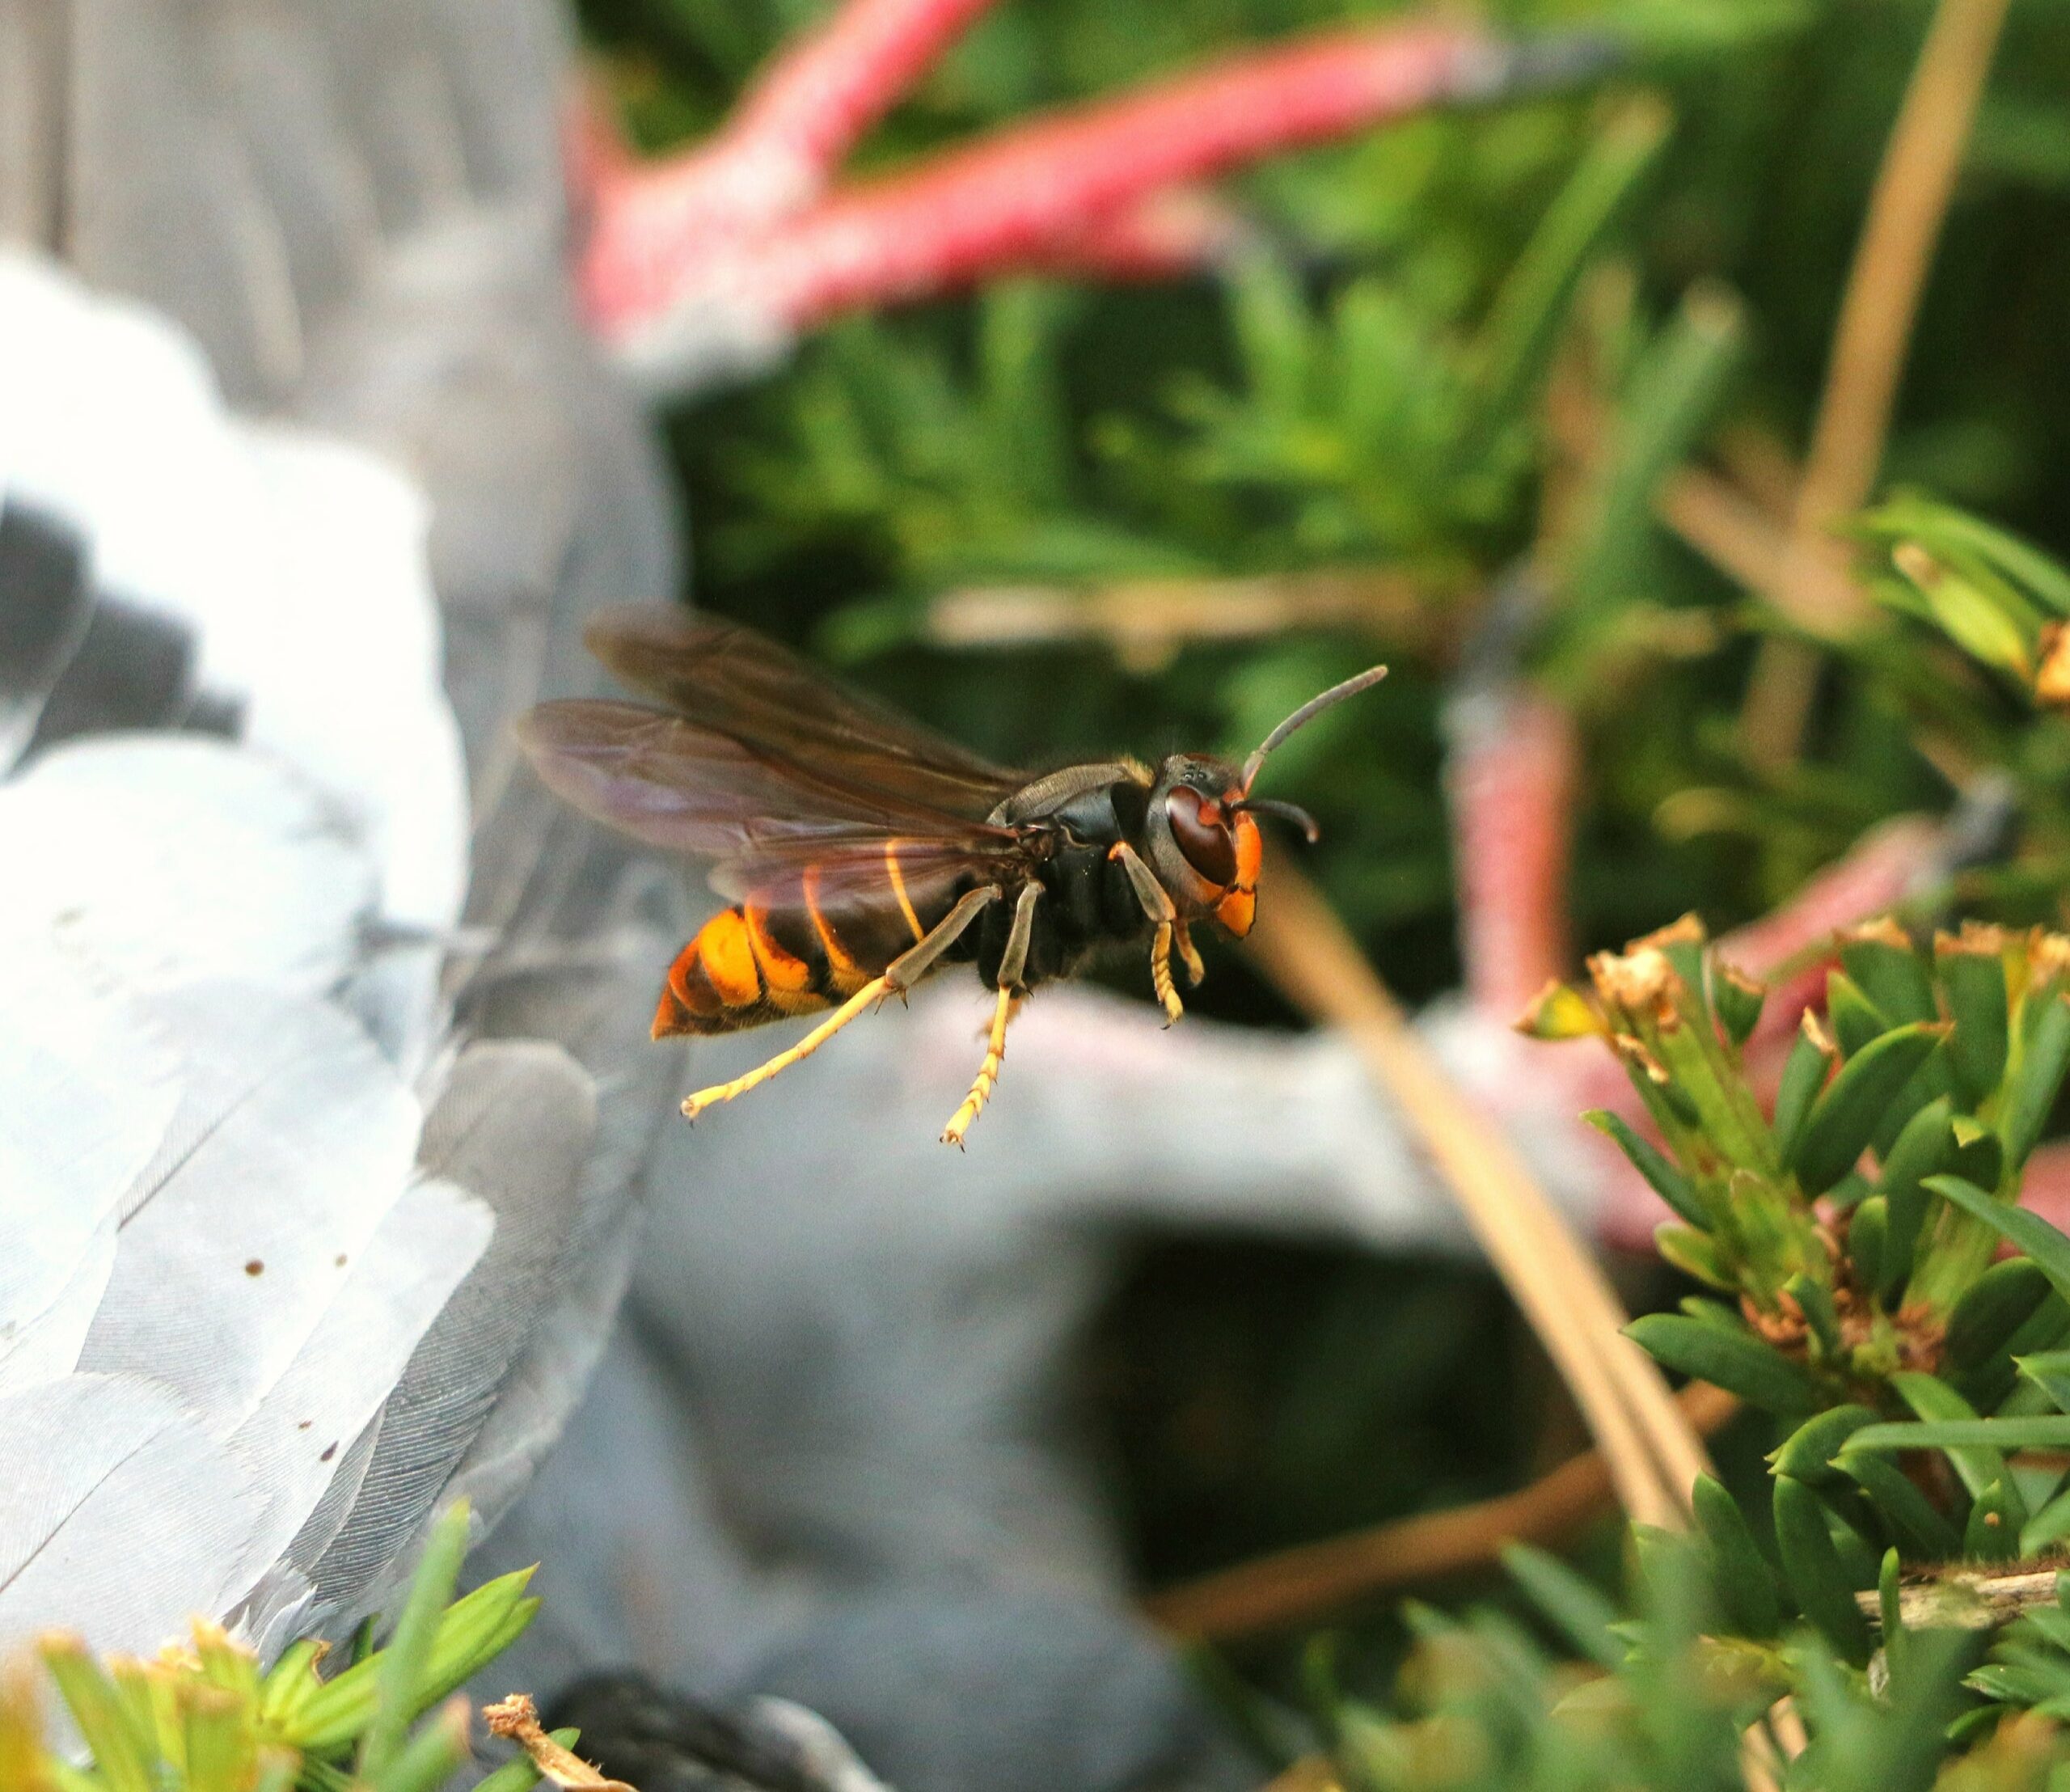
708 262
1512 781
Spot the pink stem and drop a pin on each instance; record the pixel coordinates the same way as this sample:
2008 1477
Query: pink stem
1011 196
662 255
776 153
1882 868
815 103
1165 236
1512 776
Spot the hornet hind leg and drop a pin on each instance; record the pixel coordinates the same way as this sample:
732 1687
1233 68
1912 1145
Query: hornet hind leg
1011 967
902 973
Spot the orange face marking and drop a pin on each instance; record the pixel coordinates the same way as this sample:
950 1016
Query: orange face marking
725 949
1250 850
779 970
1236 911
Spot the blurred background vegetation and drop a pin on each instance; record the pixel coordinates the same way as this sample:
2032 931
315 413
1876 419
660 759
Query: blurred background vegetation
1452 349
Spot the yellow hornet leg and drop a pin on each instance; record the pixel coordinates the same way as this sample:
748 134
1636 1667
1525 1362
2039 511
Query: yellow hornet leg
1160 974
1188 954
875 991
1013 1009
988 1074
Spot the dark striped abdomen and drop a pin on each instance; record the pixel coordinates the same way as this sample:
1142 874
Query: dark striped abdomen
795 954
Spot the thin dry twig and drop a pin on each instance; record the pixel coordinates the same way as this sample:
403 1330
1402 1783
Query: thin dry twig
517 1718
1652 1454
1878 310
1298 1586
1966 1597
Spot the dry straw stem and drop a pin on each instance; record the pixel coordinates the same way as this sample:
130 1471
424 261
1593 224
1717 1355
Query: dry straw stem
1767 1748
1877 311
1296 1586
1146 620
1652 1454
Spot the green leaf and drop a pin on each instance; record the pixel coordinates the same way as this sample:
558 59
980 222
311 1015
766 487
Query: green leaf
291 1682
403 1679
1738 1001
1997 1305
1808 1453
1662 1175
1815 1300
2031 1094
1936 1403
1925 1147
1524 322
218 1740
1975 985
1868 1230
1994 1529
1745 1582
1695 1253
2047 1527
1841 1122
1575 1607
1854 1020
1812 1565
1739 1362
1926 1534
2035 1431
1654 1165
432 1757
105 1722
1892 977
1803 1076
470 1633
2050 1371
2028 1232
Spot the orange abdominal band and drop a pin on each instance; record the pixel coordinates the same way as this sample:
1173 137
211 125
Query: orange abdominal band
898 889
779 970
847 975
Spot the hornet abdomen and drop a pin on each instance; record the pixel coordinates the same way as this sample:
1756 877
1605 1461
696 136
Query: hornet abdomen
799 952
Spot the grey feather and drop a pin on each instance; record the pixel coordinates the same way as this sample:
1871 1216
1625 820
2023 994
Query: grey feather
356 211
120 1515
89 1096
43 570
213 1291
119 846
513 1125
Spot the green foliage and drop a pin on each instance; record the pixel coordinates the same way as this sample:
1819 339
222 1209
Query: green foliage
1484 343
206 1719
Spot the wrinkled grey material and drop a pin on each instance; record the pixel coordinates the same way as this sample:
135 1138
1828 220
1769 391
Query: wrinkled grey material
356 212
845 1378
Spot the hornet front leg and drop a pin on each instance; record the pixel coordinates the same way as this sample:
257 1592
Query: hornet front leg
1157 904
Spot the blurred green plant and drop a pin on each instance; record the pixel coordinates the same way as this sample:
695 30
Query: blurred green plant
206 1718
